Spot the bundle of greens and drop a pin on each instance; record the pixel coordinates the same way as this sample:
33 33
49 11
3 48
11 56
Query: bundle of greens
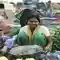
55 34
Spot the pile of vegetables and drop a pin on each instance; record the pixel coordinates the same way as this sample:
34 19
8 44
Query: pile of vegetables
55 34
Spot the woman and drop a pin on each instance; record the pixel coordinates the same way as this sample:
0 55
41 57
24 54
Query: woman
34 33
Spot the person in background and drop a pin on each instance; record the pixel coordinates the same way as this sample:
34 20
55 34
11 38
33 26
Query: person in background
19 7
49 9
5 33
4 29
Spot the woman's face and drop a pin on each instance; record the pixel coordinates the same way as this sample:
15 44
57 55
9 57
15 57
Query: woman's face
33 22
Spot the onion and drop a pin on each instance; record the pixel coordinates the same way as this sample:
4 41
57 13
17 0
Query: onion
3 58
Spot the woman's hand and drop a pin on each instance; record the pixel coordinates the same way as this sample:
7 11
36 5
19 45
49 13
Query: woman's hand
47 48
49 45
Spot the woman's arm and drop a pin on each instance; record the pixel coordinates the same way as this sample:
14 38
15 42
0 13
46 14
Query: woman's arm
49 45
48 37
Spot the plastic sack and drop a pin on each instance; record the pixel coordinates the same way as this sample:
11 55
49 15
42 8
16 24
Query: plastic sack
53 56
25 50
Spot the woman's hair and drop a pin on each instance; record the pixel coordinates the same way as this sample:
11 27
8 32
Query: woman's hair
33 16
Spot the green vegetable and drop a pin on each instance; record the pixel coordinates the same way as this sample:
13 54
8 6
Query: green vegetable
55 34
